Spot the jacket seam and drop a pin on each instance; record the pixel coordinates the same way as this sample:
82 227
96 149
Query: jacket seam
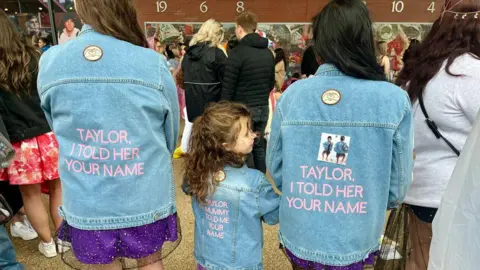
276 142
235 228
401 166
100 80
341 124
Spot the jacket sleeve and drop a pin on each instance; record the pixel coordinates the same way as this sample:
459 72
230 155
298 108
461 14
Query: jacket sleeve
230 78
172 119
274 148
402 161
269 202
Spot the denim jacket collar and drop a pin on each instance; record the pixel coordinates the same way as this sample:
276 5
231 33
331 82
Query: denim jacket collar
86 29
329 70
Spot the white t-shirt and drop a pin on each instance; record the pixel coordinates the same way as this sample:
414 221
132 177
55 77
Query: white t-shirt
452 103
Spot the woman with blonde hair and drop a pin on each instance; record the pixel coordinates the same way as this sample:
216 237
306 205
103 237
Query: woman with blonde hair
203 66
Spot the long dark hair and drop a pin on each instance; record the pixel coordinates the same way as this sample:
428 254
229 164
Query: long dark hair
451 36
18 61
206 155
343 37
116 18
280 56
408 53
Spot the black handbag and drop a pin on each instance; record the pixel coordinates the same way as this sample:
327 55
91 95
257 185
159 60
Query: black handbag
434 128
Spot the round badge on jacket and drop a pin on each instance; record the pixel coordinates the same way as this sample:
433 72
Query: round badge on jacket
93 53
331 97
219 176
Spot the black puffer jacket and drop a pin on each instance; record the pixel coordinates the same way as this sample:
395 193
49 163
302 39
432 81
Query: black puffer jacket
249 72
203 67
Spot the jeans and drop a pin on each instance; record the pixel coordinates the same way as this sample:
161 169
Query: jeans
257 159
8 260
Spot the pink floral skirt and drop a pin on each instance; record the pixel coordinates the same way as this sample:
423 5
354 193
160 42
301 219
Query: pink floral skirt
36 161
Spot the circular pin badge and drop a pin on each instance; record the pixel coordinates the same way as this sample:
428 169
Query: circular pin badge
219 176
93 53
331 97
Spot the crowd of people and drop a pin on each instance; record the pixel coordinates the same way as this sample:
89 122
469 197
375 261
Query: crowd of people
95 123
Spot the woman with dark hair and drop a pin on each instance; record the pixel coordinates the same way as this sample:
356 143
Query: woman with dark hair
408 53
36 146
442 77
347 98
43 44
280 68
113 105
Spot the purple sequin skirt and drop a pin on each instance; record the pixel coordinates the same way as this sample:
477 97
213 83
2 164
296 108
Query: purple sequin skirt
130 247
298 263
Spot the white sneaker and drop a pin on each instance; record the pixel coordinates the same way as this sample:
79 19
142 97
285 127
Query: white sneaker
63 246
49 250
19 229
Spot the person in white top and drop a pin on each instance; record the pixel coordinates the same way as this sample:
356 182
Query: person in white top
444 72
69 32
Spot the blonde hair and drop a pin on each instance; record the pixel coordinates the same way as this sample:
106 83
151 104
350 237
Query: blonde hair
211 31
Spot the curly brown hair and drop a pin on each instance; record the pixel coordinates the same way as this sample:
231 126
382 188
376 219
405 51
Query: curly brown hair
207 155
18 61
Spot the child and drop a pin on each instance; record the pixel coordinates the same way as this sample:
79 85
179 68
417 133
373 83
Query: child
229 200
341 148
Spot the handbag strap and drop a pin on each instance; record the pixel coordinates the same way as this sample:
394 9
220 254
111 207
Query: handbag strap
433 127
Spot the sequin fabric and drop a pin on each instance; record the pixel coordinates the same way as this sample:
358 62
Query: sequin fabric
36 160
309 265
131 247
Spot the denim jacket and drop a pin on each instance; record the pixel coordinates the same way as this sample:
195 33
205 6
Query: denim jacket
228 230
333 213
115 114
340 148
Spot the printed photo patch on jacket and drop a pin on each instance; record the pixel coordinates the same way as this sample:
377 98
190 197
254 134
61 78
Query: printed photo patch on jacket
331 97
334 148
93 53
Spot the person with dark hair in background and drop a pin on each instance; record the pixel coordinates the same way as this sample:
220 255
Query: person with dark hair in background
407 55
173 56
36 160
43 44
309 62
280 68
442 77
232 43
117 126
338 100
249 78
69 31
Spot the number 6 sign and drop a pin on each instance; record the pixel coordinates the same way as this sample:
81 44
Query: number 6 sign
203 7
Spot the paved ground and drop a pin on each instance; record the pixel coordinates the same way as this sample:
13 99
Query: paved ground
181 258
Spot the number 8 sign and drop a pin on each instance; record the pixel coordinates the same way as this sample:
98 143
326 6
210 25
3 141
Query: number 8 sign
240 6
